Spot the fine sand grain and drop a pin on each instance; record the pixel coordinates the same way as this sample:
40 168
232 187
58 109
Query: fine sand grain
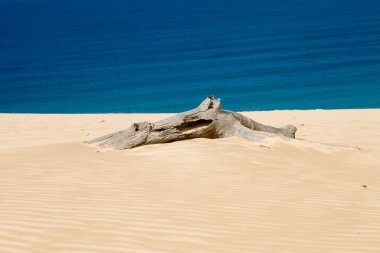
227 195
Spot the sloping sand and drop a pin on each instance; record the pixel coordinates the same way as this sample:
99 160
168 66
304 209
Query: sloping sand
227 195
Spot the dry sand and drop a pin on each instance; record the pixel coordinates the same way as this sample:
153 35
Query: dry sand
225 195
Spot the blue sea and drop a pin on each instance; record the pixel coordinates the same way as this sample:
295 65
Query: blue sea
100 56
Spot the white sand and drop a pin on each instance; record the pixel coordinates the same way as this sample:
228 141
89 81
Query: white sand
225 195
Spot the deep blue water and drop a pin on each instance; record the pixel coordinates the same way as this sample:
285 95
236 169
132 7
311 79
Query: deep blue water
67 56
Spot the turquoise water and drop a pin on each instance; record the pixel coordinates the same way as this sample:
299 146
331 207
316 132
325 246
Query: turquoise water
68 56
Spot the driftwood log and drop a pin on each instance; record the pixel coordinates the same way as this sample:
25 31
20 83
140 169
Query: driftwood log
205 121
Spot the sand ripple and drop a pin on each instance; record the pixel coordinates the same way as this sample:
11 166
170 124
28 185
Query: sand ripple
227 195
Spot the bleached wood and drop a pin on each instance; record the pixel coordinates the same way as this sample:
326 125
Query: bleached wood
205 121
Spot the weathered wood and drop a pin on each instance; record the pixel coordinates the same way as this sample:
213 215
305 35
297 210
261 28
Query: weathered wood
205 121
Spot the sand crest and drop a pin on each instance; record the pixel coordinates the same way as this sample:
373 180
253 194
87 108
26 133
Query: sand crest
227 195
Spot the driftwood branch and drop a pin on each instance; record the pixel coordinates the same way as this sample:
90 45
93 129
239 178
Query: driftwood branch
205 121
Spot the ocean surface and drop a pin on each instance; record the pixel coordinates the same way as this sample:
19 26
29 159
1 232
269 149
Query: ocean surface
83 56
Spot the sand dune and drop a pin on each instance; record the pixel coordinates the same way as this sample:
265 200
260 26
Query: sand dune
318 194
